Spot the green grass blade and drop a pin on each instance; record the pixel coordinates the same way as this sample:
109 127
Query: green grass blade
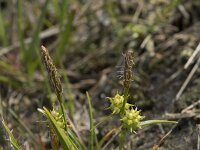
20 28
76 140
13 141
64 38
3 38
92 136
66 29
56 8
32 59
65 140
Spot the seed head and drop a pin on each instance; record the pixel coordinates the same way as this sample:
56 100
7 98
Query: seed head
128 75
59 118
131 120
54 77
117 103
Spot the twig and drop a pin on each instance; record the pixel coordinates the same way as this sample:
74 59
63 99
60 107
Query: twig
155 147
111 139
184 12
138 11
182 115
187 80
191 59
45 34
190 107
172 77
145 41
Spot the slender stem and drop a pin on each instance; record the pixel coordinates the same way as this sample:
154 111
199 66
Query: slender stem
125 93
122 139
60 99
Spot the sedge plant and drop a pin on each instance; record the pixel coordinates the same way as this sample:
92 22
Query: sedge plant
130 117
61 131
57 120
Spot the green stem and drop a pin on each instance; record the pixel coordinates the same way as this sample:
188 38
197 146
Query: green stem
122 139
60 99
125 93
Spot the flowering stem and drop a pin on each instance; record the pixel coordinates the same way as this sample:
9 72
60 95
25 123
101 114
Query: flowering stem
125 99
61 102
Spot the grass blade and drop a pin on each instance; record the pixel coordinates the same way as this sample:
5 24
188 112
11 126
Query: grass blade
20 28
92 136
108 136
2 30
31 58
65 33
13 141
76 140
148 122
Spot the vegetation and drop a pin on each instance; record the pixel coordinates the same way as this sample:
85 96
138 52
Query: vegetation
119 73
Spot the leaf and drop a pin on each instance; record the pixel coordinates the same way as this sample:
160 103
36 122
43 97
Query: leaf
13 141
148 122
92 129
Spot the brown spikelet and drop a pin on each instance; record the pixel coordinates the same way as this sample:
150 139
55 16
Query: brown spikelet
54 77
128 75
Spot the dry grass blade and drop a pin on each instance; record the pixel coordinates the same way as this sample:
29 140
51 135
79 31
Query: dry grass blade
156 147
194 69
191 59
190 107
108 136
43 35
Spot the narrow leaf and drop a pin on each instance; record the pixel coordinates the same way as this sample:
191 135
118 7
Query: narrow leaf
148 122
92 129
13 141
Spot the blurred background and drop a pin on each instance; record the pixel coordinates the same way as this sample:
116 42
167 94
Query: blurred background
87 39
